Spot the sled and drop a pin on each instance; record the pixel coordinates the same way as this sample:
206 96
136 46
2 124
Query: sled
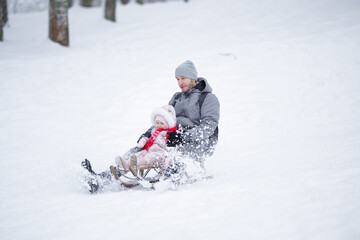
149 173
145 177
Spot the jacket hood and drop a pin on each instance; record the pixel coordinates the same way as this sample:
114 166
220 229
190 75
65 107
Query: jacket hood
203 85
167 112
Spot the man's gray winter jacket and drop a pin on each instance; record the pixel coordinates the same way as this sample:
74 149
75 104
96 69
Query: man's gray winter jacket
199 123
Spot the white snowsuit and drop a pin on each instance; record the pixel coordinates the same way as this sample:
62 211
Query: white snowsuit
157 153
156 150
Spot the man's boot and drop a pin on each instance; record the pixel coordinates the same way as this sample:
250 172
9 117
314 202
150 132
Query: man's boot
115 172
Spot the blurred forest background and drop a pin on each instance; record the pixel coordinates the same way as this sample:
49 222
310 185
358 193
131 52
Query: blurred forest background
58 13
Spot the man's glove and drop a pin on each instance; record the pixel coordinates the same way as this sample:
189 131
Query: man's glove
174 139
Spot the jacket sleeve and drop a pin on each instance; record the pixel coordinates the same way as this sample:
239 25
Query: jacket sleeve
146 134
209 120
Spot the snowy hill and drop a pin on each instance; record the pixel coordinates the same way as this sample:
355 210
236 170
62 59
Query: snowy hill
287 77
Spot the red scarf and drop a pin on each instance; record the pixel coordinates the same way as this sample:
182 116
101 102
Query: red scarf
155 134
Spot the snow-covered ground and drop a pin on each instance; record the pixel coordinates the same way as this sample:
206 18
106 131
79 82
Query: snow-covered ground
286 72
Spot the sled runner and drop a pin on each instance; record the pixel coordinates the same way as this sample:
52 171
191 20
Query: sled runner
145 177
149 173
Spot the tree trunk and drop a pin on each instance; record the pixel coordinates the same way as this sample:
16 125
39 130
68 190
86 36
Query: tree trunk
140 1
70 3
1 28
110 6
58 22
86 3
1 20
90 3
3 8
125 1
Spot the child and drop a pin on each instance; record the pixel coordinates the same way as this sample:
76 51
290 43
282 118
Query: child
154 149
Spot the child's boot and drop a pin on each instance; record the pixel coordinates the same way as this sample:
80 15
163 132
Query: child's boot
122 165
114 172
133 165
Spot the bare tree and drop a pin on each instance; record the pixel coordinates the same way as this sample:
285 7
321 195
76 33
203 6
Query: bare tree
3 8
110 6
151 1
1 27
3 17
90 3
58 22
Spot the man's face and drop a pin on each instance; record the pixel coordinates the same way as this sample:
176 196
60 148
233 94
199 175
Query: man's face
185 84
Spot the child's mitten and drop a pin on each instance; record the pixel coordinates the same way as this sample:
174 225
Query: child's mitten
142 142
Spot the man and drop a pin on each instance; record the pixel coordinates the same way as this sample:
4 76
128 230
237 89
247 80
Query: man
197 115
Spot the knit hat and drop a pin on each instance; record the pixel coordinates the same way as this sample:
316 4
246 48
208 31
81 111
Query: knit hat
186 69
165 114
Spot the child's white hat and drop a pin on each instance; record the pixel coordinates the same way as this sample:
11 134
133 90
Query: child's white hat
168 114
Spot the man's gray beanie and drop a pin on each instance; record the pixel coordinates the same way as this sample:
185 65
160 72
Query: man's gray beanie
186 69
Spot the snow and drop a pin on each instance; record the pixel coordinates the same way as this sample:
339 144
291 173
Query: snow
287 77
